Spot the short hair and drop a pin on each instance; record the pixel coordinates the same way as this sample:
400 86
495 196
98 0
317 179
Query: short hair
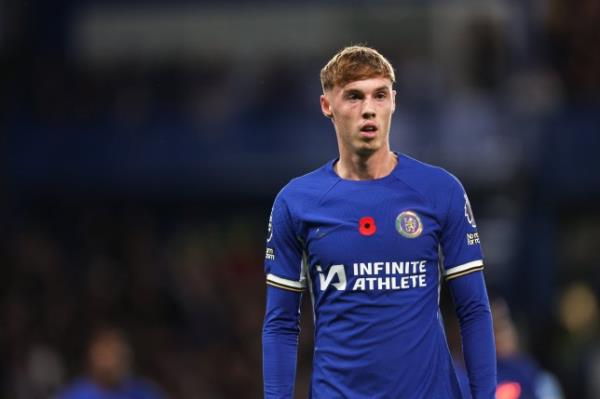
355 63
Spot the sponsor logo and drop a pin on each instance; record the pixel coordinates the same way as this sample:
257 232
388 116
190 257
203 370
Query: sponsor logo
270 254
319 233
469 213
375 276
366 226
333 272
472 238
322 231
409 224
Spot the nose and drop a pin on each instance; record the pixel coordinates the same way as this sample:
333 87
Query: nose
368 109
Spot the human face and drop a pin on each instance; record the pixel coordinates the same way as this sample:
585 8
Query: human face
361 112
109 358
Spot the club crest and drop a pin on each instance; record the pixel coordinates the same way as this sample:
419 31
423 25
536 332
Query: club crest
409 224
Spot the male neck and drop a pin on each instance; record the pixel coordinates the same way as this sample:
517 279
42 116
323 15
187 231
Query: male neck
371 166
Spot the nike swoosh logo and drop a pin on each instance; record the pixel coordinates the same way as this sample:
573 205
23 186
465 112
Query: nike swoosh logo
322 232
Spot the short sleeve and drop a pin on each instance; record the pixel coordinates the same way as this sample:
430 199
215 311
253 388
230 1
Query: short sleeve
283 256
460 243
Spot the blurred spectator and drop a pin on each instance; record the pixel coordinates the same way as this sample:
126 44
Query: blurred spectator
519 375
578 346
110 374
40 376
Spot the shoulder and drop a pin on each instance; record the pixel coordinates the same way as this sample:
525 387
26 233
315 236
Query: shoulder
308 187
77 389
141 387
426 178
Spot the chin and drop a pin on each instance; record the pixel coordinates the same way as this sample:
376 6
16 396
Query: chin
365 151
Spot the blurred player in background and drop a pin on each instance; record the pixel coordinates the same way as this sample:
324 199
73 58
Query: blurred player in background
370 235
110 372
519 376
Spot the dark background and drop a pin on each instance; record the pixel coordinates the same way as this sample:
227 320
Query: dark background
144 141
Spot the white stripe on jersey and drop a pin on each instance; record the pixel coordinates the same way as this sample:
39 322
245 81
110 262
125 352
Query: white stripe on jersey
285 282
463 267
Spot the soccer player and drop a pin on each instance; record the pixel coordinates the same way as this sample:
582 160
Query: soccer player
370 235
519 375
110 372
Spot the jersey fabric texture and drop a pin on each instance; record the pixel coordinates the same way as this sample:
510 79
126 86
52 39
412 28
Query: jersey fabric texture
372 254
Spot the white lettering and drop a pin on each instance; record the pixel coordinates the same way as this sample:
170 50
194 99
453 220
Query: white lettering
414 279
270 254
359 284
371 281
366 269
383 283
415 265
404 283
386 276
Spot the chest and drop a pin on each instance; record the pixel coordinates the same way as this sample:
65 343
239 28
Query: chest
373 224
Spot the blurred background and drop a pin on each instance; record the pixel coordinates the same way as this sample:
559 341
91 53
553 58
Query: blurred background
143 143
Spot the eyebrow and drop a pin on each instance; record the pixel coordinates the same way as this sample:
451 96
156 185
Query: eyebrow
385 88
382 88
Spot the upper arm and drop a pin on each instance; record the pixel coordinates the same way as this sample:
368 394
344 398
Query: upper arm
284 252
460 244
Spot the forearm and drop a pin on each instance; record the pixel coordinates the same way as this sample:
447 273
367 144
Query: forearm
473 311
280 343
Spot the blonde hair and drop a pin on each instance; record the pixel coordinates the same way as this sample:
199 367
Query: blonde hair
355 63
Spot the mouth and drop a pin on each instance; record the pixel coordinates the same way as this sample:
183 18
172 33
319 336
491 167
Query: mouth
368 130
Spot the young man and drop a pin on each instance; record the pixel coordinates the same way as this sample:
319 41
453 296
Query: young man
370 235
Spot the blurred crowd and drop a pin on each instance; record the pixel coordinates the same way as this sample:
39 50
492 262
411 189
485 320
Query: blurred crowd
188 294
136 192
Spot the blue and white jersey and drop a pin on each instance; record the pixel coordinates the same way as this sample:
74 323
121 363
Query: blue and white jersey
372 254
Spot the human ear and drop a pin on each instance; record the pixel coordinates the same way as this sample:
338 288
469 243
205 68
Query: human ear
326 106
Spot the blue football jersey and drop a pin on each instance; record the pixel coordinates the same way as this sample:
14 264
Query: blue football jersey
372 254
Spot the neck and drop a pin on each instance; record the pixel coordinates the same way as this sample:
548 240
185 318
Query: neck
366 167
